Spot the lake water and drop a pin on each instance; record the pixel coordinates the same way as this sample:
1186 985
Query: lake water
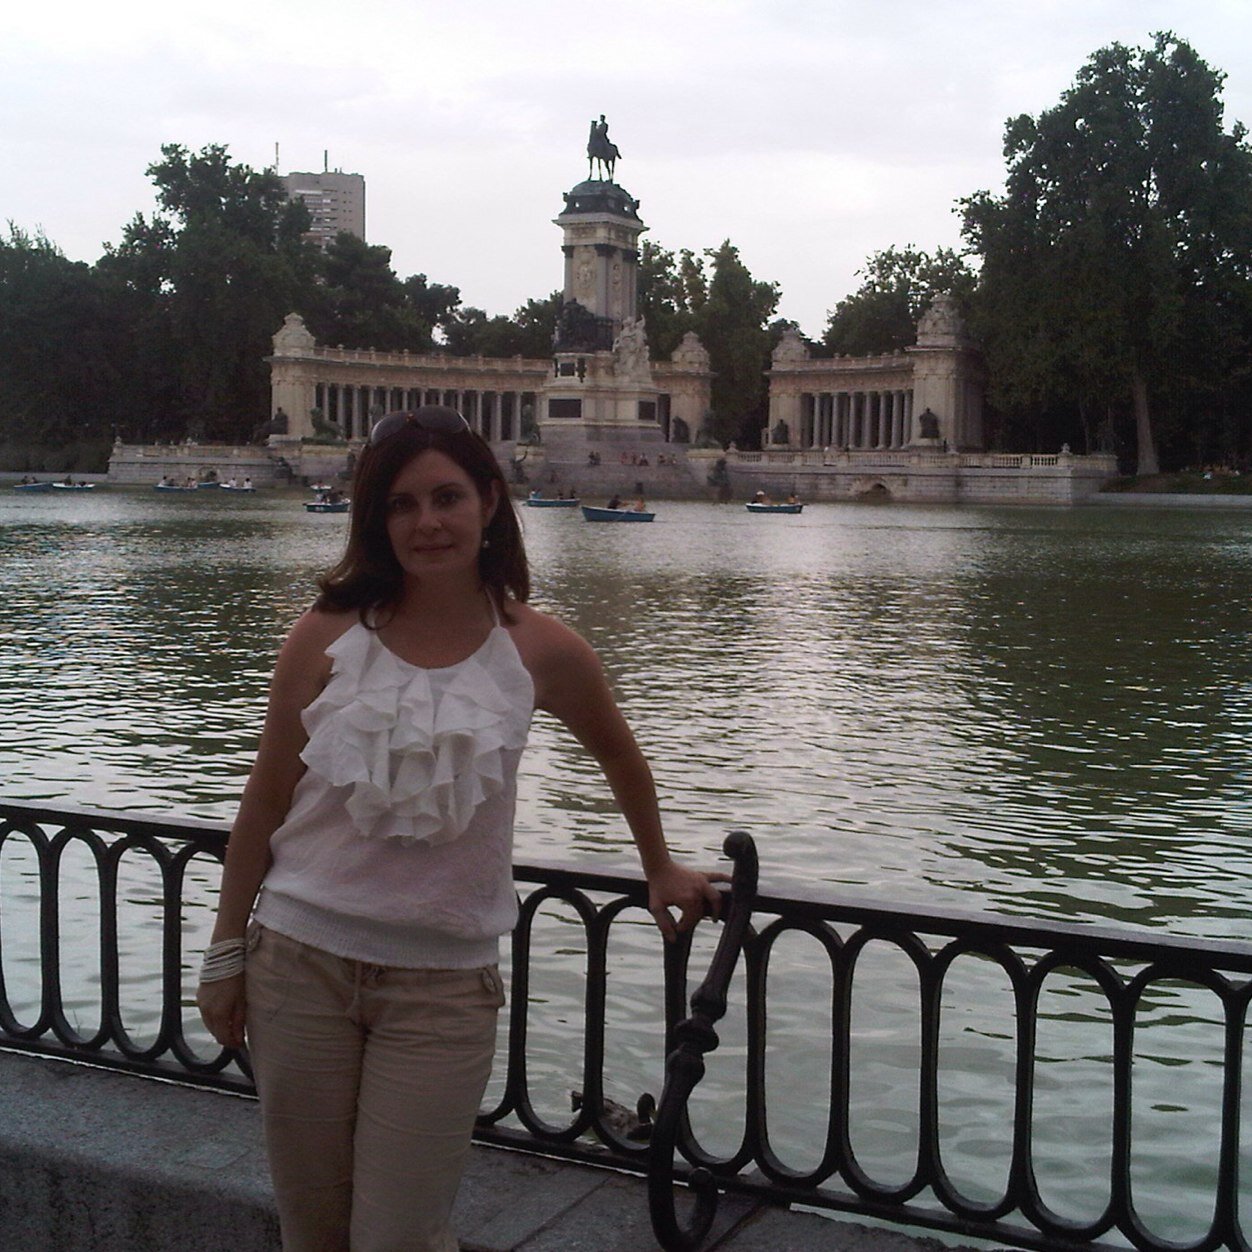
1043 713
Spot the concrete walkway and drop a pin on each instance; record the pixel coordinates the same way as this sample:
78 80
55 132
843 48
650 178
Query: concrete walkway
95 1161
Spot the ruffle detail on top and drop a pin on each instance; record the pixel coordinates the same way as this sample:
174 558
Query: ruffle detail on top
419 755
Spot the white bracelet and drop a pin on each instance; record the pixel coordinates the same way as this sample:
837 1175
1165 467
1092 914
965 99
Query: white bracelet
222 960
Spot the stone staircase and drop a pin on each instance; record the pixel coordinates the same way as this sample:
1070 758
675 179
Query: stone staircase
595 465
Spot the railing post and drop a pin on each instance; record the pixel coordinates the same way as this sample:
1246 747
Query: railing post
684 1067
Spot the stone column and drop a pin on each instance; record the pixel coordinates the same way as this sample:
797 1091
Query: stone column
605 252
806 436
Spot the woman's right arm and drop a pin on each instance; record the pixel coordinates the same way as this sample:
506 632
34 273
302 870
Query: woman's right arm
299 674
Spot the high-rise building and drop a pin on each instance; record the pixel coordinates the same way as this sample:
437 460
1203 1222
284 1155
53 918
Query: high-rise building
335 200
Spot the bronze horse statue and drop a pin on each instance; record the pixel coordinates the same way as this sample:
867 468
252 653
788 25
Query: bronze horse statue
600 148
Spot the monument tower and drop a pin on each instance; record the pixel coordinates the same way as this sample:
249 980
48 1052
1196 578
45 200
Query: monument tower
601 387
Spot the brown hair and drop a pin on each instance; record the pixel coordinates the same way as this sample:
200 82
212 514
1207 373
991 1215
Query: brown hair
368 577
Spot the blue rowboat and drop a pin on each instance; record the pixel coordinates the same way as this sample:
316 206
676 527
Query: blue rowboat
327 506
538 502
171 487
32 486
615 515
754 507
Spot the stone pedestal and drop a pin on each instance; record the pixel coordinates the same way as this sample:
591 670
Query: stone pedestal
948 379
601 387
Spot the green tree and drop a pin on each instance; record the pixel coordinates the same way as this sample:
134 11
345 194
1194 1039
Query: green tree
58 372
536 324
731 322
1118 261
433 306
210 279
360 302
897 286
527 333
663 301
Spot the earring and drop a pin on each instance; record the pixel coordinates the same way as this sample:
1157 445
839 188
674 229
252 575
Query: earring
486 542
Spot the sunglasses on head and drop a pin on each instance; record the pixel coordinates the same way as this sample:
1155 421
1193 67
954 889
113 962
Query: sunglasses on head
432 417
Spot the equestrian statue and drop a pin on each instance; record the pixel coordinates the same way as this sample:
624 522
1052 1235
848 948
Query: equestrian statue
601 150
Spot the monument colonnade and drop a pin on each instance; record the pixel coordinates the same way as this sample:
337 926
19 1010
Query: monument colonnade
351 388
353 407
928 395
856 419
845 403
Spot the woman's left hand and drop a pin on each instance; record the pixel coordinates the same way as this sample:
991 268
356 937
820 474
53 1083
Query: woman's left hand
687 890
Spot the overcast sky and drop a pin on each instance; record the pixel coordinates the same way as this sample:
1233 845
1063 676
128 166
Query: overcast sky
809 134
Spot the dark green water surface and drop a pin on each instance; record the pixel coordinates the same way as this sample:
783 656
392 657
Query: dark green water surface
1043 713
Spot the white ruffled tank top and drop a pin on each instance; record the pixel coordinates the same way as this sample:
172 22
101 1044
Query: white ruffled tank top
398 846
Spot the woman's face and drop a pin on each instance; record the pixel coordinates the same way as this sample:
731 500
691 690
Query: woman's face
436 517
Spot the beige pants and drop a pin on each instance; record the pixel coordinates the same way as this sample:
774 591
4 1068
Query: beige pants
370 1078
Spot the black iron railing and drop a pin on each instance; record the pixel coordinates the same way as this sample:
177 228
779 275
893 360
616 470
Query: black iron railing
1041 1003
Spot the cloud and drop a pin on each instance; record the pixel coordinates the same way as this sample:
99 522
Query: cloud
809 134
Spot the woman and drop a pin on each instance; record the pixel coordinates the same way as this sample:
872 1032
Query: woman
368 874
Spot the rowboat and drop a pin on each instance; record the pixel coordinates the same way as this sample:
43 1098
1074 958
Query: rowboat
236 487
73 486
173 487
615 515
327 506
755 507
539 502
208 484
32 486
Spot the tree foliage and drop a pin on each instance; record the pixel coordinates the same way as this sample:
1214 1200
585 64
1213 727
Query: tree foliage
731 321
200 289
57 345
527 333
729 310
1116 265
897 286
360 302
666 296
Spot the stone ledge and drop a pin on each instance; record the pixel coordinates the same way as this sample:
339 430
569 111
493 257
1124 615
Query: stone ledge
87 1164
92 1160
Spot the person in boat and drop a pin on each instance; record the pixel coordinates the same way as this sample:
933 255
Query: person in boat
247 484
760 498
615 501
640 506
793 498
368 875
